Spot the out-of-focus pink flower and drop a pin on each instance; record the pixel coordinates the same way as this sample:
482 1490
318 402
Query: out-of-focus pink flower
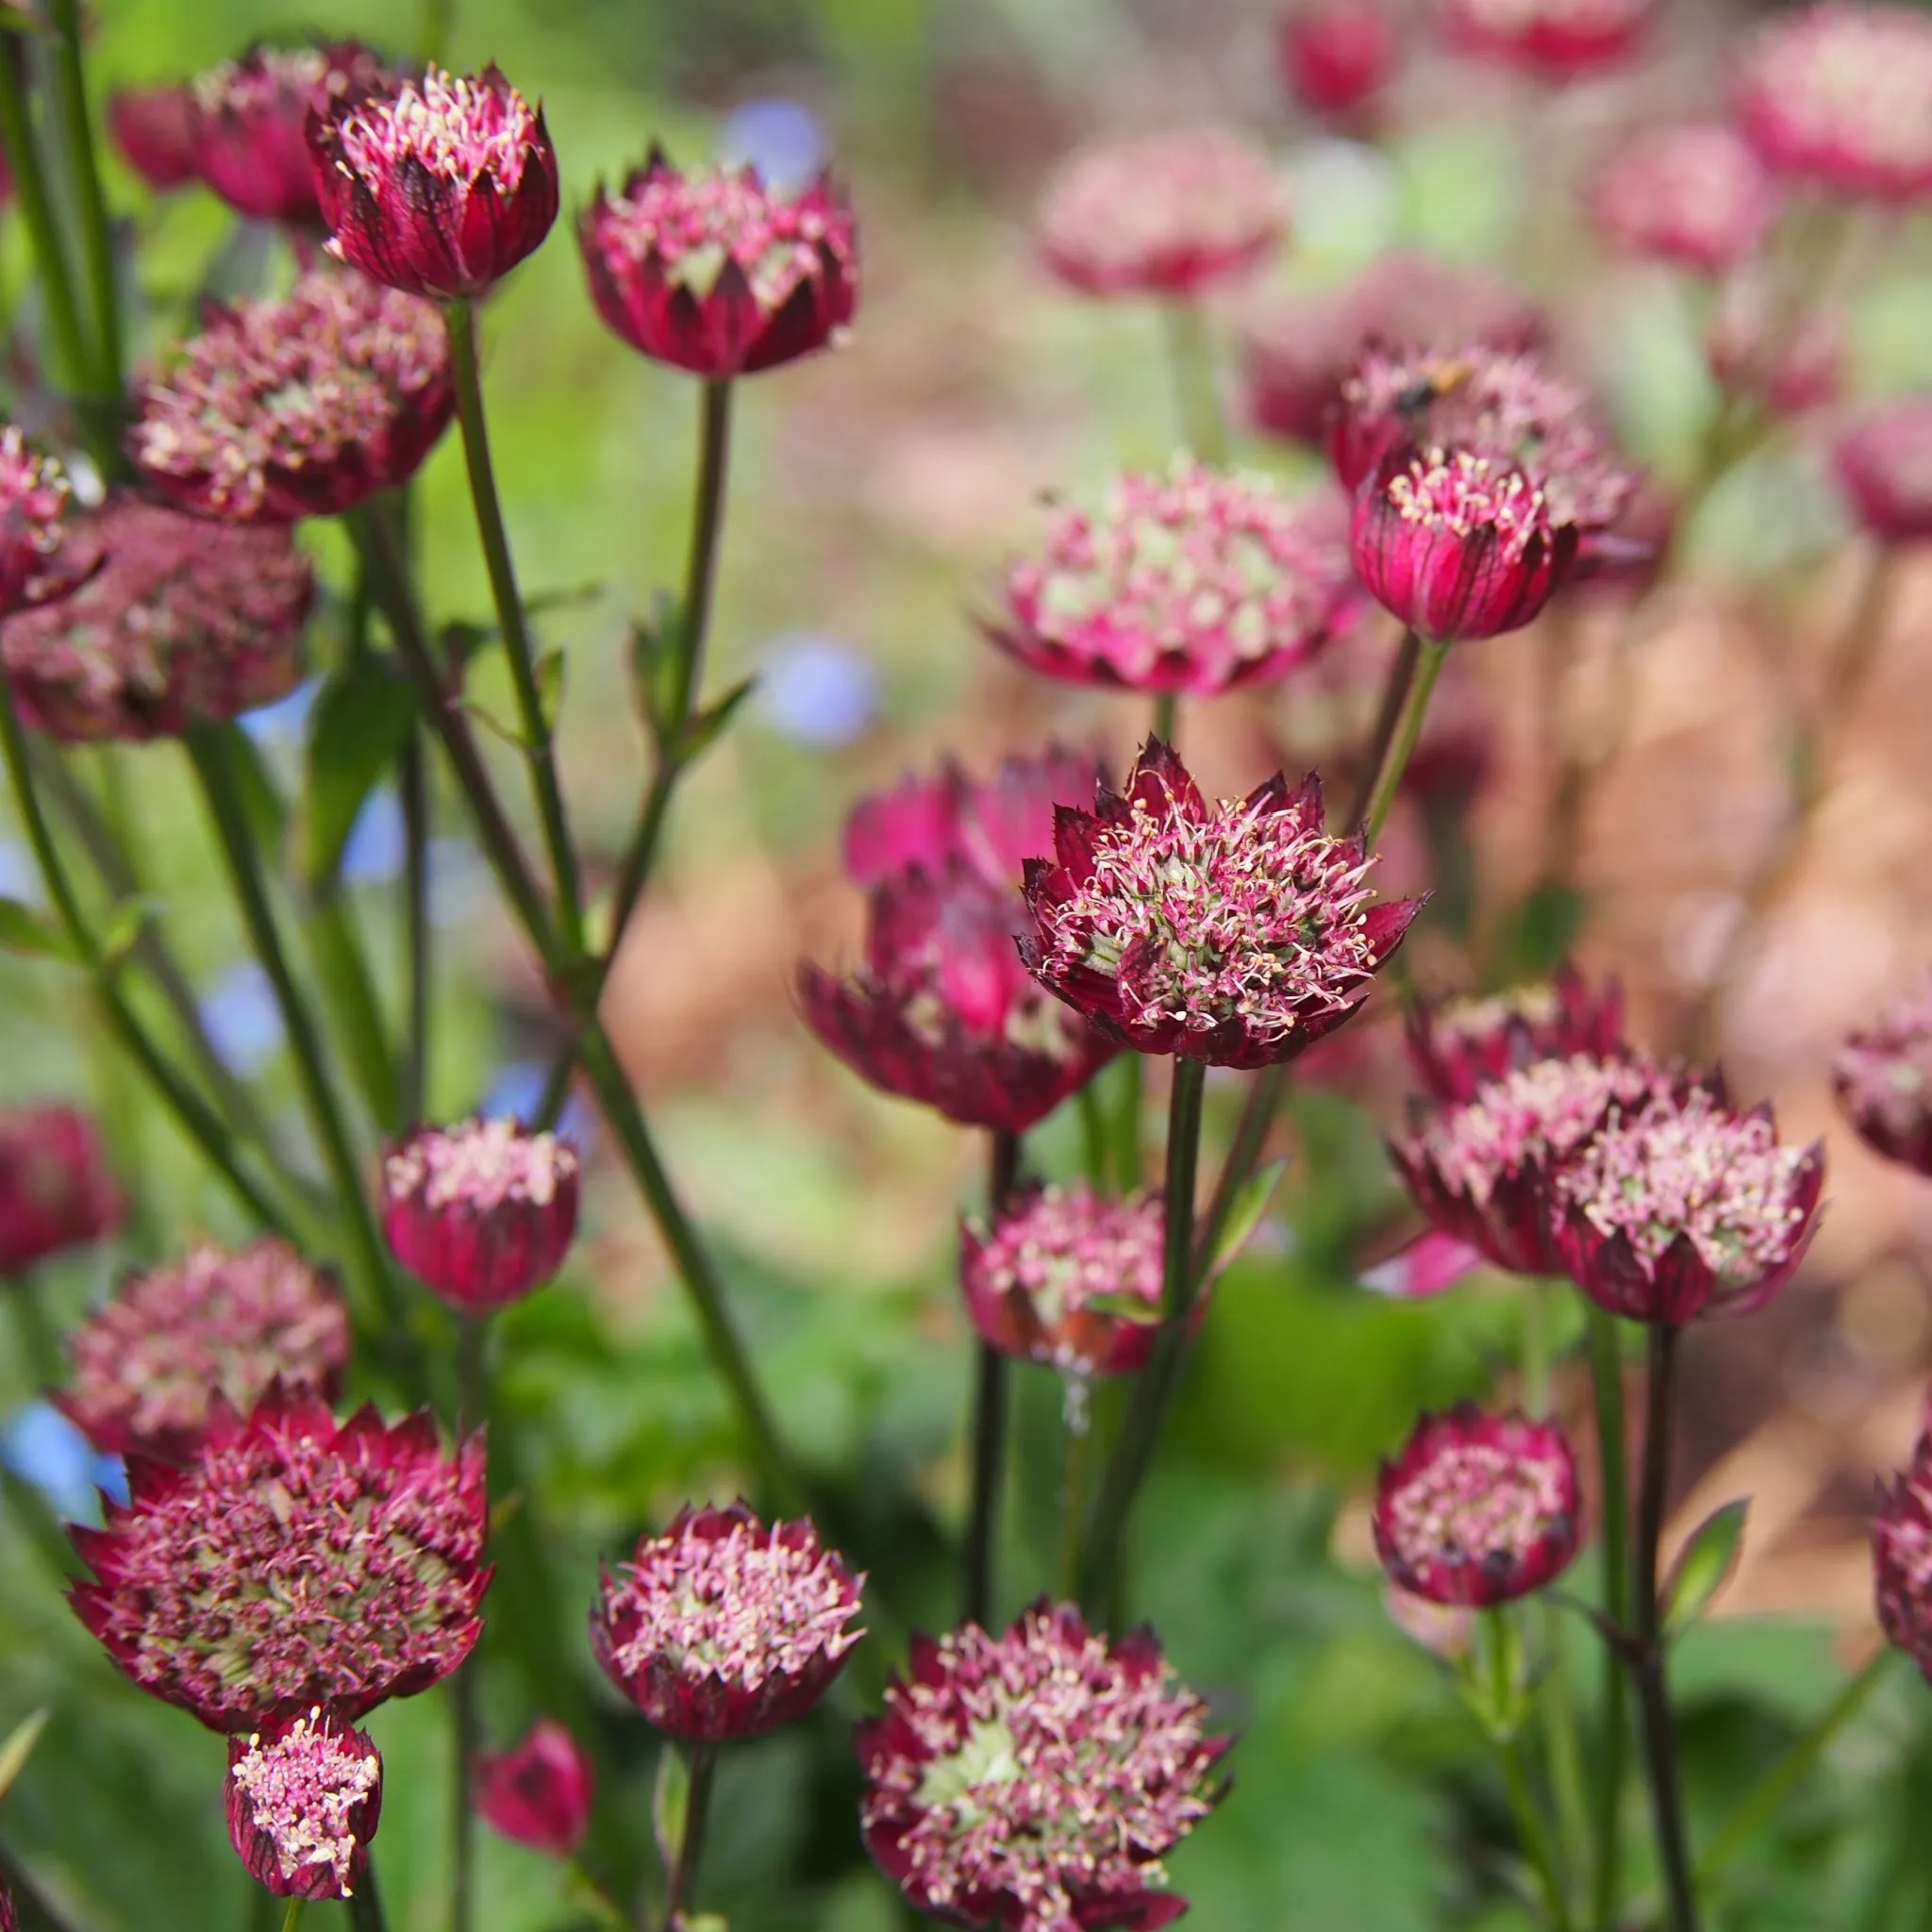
34 504
1882 1080
540 1793
1429 1265
1554 40
1696 196
1337 55
56 1191
1790 366
304 1798
1457 1047
1884 465
1902 1556
155 129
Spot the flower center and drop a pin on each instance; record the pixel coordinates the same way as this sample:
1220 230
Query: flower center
302 1792
458 128
1472 1501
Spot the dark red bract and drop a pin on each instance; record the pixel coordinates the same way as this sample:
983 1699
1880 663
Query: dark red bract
537 1794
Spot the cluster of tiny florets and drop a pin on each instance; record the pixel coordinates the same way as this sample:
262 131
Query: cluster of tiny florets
34 498
302 1791
1475 1499
1885 1076
1902 1556
457 128
480 1165
1695 194
1465 494
1067 1247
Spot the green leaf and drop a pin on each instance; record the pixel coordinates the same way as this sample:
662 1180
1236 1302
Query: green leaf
1244 1214
1703 1567
361 724
670 1804
261 797
704 728
24 931
19 1745
1125 1306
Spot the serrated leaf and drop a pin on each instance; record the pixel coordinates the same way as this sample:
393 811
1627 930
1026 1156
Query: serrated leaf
19 1745
360 727
670 1804
703 730
26 932
124 927
1703 1567
1244 1214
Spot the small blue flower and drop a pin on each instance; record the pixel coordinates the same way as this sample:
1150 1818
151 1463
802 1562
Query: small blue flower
20 878
817 691
783 140
243 1018
377 841
43 1447
283 723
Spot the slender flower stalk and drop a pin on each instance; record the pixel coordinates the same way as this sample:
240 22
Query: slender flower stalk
473 1413
703 1770
1428 666
1606 1388
1191 355
90 207
412 782
1531 1826
989 1414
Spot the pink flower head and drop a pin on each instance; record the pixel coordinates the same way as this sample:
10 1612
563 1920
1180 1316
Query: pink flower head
1068 1278
1458 546
722 1628
298 408
155 129
1193 581
1884 465
1682 1207
992 825
714 272
182 621
246 121
1753 354
1840 96
154 1365
304 1796
56 1191
1902 1556
1239 934
1883 1080
1337 55
540 1793
1477 1510
1483 1171
1171 214
294 1560
481 1210
1554 40
35 567
439 186
1034 1781
1459 1046
1696 196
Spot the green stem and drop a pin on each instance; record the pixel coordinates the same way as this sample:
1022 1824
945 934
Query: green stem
40 1347
1427 668
1533 1833
473 1413
1094 1151
1166 717
1191 355
342 966
1076 1429
1389 711
413 782
365 1906
292 1917
989 1416
1607 1384
1127 1128
540 748
96 234
74 370
1565 1748
691 1846
432 31
1133 1453
1265 1093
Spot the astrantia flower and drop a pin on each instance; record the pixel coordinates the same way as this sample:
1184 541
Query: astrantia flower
1902 1556
246 121
303 1800
1696 195
1754 355
1237 934
153 1365
1840 96
1193 581
715 272
1034 1781
1883 1080
722 1628
482 1211
1169 215
537 1794
56 1191
1558 40
154 128
439 187
1884 465
1069 1278
34 501
1485 1171
1458 546
295 1560
1477 1510
1683 1208
183 622
1459 1047
1337 55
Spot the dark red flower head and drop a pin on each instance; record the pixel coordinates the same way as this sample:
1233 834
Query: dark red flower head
722 1628
1884 465
1883 1080
155 129
154 1365
1683 1206
304 1796
1902 1556
295 1560
246 121
540 1793
1239 934
1168 215
56 1191
181 622
36 566
1695 195
1477 1510
1556 40
714 272
1457 1047
439 186
481 1210
1337 55
1035 1780
1840 96
1193 581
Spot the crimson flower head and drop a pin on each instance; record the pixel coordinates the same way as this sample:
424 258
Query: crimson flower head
294 1560
439 186
1457 1047
181 622
1035 1780
154 1366
1883 1080
540 1793
1884 465
1337 55
1193 581
722 1628
304 1796
1683 1206
715 272
1840 96
298 408
155 129
1172 215
1902 1556
1696 196
1477 1510
1554 40
246 121
482 1211
35 567
56 1191
1238 933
